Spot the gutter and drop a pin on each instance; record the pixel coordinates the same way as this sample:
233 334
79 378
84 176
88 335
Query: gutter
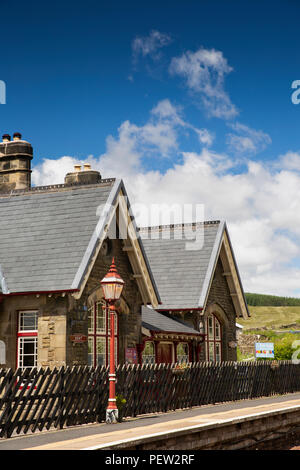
65 291
154 334
184 309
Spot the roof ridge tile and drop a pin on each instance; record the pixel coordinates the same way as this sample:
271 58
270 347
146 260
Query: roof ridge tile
55 187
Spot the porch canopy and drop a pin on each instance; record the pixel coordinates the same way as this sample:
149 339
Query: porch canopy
163 326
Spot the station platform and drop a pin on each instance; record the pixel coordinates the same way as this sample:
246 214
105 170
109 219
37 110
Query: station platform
164 430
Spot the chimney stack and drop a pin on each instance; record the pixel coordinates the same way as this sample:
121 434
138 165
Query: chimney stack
15 163
87 176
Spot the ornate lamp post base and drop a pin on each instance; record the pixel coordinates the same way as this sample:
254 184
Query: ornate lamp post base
112 416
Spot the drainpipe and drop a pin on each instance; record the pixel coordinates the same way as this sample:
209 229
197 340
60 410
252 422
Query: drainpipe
3 286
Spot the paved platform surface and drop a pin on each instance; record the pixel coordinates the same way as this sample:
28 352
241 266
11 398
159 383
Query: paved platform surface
88 437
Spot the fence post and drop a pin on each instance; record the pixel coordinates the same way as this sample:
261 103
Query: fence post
61 395
8 407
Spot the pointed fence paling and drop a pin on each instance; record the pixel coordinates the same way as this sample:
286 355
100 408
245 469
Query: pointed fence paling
39 399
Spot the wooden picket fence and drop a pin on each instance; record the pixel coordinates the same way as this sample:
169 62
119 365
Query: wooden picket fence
38 399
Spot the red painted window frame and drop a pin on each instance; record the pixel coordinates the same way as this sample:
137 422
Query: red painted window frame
24 334
105 335
214 340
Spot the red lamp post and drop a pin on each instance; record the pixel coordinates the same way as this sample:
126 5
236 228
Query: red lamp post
112 285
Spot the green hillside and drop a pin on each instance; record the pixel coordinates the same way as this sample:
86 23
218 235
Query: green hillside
271 300
275 319
272 318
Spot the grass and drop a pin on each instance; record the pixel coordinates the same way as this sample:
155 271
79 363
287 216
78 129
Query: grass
272 318
276 325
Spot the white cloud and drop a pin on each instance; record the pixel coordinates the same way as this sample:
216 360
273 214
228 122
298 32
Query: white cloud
261 204
52 171
204 72
289 161
165 110
247 141
205 137
150 45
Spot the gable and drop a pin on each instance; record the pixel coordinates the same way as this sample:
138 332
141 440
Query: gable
232 275
225 255
117 221
50 238
179 273
43 236
184 276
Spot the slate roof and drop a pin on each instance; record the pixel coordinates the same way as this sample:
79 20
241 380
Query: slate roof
181 272
45 236
155 321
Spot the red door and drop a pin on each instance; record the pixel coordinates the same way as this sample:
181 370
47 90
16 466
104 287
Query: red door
164 353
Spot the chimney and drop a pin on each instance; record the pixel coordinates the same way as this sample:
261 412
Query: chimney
15 163
85 176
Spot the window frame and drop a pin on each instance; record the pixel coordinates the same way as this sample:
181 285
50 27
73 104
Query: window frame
105 333
183 355
212 339
149 355
22 335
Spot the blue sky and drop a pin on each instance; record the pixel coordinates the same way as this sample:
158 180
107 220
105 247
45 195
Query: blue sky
66 67
188 102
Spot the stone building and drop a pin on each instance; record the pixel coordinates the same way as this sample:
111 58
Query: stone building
199 284
57 243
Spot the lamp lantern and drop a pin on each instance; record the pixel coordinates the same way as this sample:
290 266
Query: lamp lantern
112 284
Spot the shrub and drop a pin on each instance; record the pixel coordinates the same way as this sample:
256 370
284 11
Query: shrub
283 351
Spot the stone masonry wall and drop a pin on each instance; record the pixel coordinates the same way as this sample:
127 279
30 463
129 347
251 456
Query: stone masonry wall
60 316
52 314
219 294
130 318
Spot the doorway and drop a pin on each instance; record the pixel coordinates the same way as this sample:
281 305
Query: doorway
165 353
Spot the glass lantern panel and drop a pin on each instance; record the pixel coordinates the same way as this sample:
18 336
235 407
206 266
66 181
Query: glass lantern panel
118 291
109 291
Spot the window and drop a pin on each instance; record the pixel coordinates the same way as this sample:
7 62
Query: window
148 355
214 333
99 335
27 339
101 318
182 352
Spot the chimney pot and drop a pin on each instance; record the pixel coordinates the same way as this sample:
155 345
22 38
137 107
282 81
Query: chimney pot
87 166
77 168
6 138
17 136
